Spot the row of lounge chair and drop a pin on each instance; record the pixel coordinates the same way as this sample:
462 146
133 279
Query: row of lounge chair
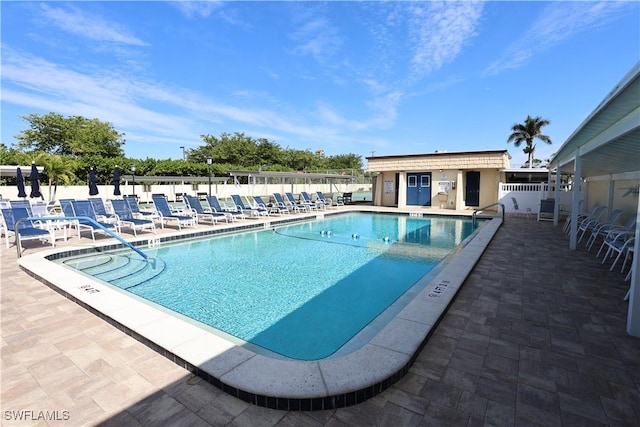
617 240
93 216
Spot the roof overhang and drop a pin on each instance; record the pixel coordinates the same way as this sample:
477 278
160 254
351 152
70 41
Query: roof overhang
173 179
10 170
439 154
608 140
293 175
525 170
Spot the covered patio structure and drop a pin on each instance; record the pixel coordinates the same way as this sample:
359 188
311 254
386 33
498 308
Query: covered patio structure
330 182
603 157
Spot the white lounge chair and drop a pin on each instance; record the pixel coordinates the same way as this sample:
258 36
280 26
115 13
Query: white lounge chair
619 244
593 224
215 206
602 230
125 218
181 218
26 229
198 211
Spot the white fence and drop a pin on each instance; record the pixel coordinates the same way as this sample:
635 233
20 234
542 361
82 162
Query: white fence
528 196
174 191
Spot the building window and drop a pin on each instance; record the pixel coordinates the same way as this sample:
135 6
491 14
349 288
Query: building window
425 181
413 181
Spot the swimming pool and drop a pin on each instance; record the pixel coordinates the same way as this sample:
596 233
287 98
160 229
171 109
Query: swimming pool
301 291
384 351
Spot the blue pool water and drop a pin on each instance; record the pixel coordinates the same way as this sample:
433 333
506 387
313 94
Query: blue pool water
302 290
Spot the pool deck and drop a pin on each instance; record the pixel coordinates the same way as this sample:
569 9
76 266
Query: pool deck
536 335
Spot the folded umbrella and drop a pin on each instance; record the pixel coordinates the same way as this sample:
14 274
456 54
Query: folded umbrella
116 181
20 183
93 187
35 183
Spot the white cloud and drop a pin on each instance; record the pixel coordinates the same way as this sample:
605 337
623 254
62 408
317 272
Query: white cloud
196 9
160 113
318 38
438 31
92 27
558 22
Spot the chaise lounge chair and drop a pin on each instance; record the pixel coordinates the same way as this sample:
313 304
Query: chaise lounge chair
328 203
181 218
84 208
215 206
26 229
242 207
125 218
306 198
132 201
273 208
280 201
100 210
194 204
306 206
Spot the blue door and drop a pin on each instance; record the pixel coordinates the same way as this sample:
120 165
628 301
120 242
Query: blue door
419 189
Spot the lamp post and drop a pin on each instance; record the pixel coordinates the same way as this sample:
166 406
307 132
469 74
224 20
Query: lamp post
133 172
209 161
184 154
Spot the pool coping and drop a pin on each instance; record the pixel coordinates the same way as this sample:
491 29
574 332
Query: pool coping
271 382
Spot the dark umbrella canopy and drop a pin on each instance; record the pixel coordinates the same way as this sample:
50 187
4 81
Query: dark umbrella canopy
93 187
20 183
35 183
116 181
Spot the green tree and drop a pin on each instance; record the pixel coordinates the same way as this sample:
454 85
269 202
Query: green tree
345 161
527 132
57 169
237 149
70 136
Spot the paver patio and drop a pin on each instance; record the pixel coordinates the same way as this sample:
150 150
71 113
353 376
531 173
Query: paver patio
536 336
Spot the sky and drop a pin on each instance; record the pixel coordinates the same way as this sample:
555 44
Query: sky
366 77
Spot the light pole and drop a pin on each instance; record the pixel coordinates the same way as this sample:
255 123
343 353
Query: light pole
209 161
133 172
184 156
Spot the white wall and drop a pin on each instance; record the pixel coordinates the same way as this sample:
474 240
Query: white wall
220 190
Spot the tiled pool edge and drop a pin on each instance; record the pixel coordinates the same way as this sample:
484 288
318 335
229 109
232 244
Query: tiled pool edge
316 385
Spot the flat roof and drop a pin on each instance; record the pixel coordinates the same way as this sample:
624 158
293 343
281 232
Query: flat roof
525 170
439 153
10 170
312 175
159 178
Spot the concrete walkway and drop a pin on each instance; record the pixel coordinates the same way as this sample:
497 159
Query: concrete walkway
536 336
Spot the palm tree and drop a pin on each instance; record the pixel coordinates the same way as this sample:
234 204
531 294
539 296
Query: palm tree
57 169
527 132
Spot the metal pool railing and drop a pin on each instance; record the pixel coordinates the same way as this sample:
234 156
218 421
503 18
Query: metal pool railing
475 212
82 218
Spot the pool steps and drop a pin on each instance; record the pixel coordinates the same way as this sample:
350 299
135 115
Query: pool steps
120 270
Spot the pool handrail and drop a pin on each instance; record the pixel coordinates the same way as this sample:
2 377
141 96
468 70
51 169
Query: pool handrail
80 218
475 211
